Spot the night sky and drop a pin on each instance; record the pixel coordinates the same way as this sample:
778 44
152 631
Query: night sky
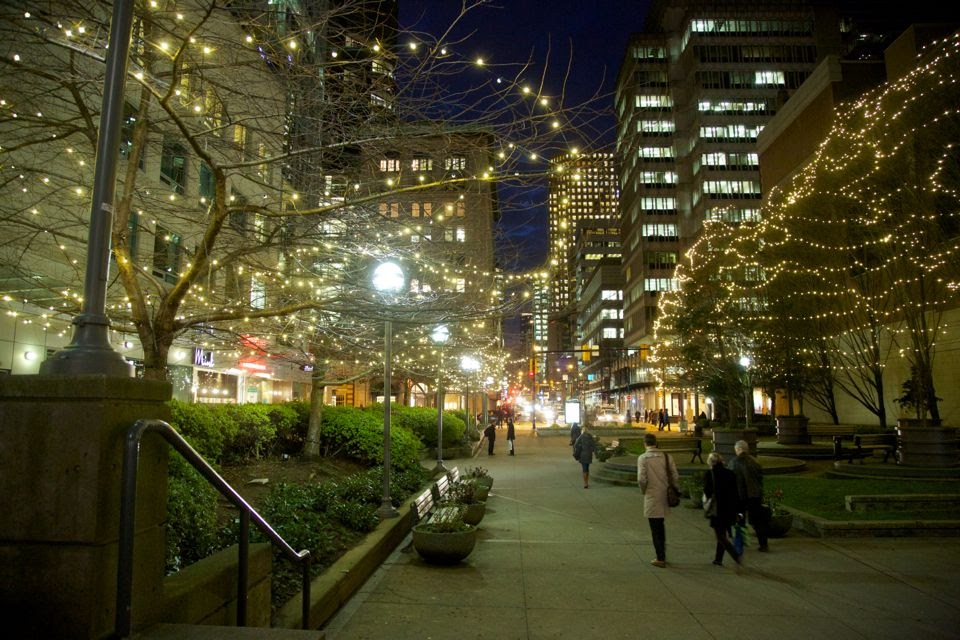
594 34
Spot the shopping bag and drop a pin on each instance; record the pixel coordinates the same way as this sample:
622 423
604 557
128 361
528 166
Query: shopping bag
739 538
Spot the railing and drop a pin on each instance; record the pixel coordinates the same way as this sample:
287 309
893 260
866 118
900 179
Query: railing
131 463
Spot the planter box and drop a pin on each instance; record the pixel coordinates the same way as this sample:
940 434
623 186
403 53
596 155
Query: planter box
724 441
927 446
792 430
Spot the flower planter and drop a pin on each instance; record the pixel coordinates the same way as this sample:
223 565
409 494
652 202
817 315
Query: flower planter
927 445
779 525
443 548
724 441
485 481
473 513
481 492
792 430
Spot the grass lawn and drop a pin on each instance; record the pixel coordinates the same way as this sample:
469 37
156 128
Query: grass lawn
824 497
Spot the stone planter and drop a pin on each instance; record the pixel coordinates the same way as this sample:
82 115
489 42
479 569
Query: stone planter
793 430
481 492
724 440
486 481
443 548
779 525
473 513
927 445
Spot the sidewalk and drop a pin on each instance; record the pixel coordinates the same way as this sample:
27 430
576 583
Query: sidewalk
555 560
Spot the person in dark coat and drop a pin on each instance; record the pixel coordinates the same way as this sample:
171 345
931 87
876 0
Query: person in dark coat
583 450
721 484
574 432
511 435
750 487
491 434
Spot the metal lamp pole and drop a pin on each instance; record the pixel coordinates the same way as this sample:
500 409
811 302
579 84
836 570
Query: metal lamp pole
747 408
388 279
470 365
440 336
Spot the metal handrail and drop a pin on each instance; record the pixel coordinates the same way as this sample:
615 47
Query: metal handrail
131 463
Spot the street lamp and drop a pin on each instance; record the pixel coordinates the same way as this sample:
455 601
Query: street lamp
440 336
747 404
387 279
470 365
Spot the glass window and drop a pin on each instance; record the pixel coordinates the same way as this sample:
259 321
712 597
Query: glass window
167 247
173 166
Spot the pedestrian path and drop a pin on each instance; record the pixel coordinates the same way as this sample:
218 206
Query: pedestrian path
555 560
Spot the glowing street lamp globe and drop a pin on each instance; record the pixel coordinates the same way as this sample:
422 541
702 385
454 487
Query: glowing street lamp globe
388 277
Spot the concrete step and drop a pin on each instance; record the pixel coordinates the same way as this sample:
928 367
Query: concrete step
209 632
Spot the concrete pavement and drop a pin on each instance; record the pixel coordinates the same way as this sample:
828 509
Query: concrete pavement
555 560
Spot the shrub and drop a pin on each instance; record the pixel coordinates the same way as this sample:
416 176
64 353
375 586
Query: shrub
422 422
290 427
191 516
251 432
359 434
199 424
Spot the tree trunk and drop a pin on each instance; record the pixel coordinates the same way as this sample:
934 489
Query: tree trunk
311 447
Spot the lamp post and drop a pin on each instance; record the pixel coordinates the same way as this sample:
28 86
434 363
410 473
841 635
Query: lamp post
440 336
387 279
747 404
470 365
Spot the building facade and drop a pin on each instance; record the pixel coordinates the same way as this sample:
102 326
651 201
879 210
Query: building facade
694 91
583 194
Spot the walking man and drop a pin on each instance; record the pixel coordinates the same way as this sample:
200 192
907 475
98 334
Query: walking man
750 487
655 472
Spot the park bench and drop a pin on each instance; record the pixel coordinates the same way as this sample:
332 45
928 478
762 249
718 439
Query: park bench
426 504
866 444
683 444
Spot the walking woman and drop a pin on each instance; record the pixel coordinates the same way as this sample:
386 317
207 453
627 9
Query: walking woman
722 505
583 450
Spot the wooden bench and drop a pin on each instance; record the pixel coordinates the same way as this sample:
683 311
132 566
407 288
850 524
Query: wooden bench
426 503
440 488
683 444
865 445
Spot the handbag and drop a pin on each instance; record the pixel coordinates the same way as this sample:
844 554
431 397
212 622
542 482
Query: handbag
710 509
709 506
673 493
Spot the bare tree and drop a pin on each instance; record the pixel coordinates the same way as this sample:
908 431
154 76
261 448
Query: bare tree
270 160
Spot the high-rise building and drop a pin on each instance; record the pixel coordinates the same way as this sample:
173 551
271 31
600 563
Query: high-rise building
694 91
583 192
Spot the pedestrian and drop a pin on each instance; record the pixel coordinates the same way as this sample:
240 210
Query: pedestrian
637 415
700 424
660 420
722 504
491 434
574 432
655 472
583 450
511 435
750 489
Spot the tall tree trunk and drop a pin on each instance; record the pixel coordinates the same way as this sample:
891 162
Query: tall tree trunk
311 447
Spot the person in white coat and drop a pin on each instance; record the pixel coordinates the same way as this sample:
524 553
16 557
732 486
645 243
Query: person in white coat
655 472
